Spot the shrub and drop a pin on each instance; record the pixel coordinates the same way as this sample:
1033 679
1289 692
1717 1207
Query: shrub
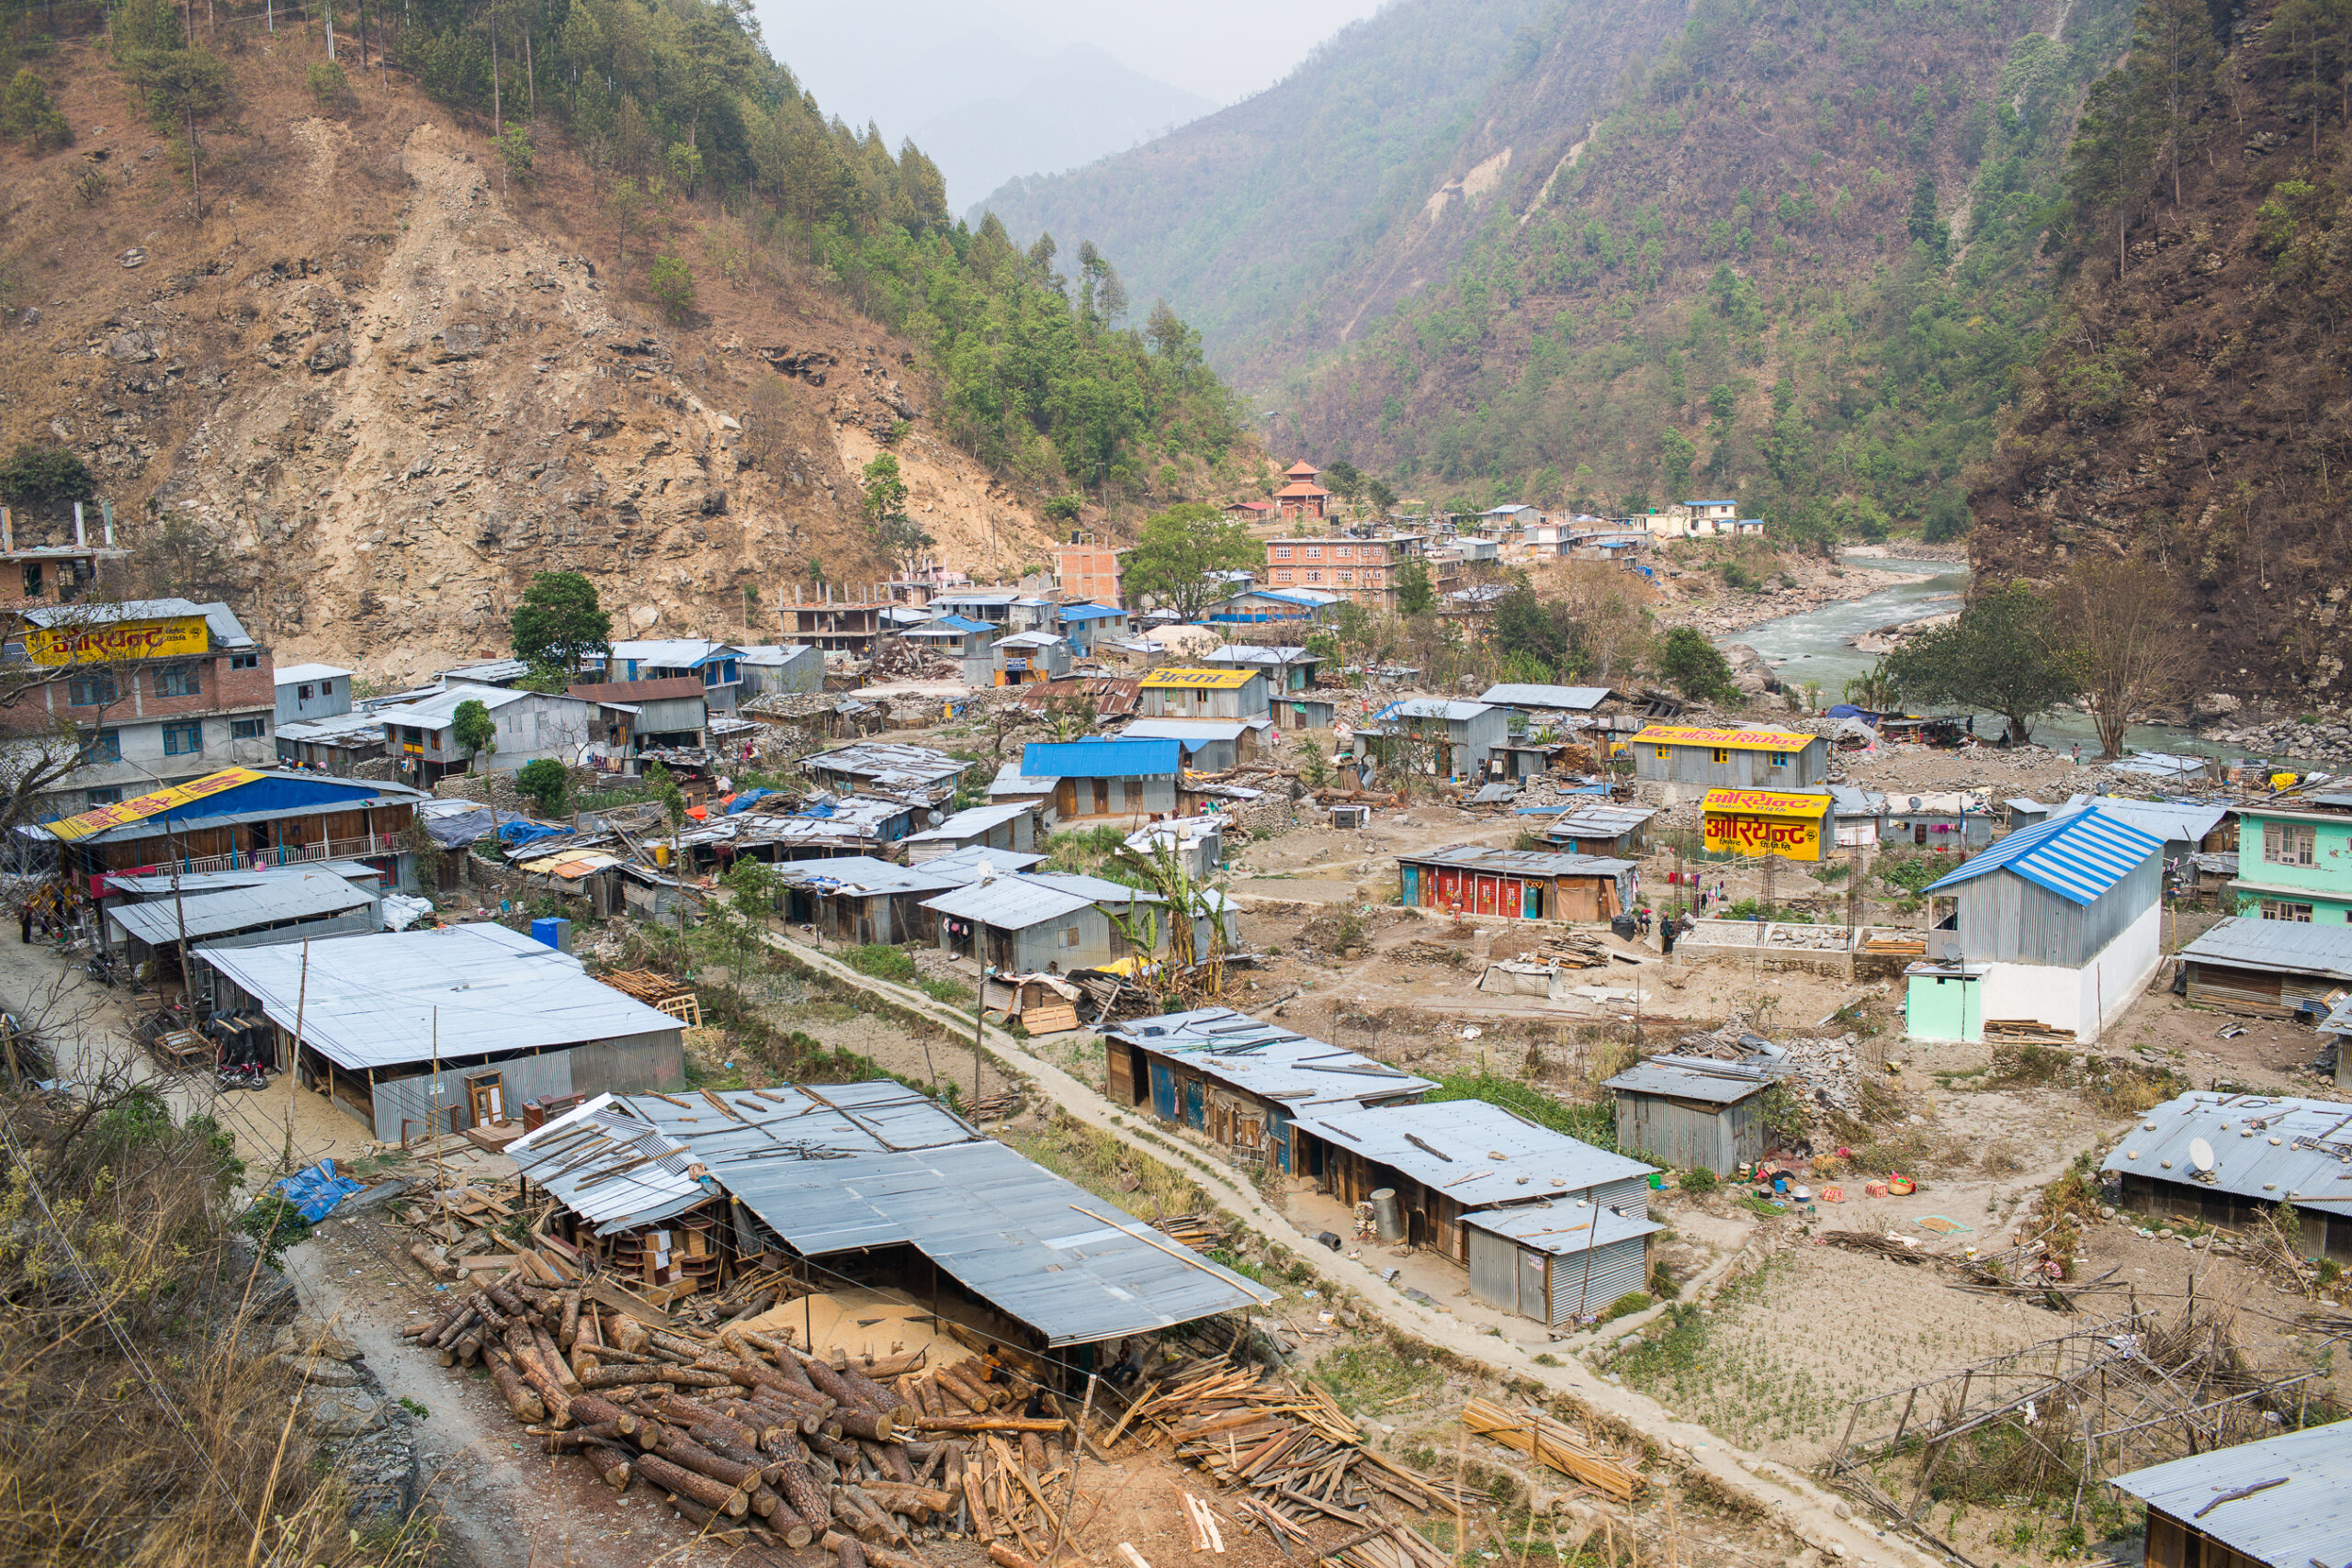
1627 1305
546 782
28 116
327 83
672 284
884 963
37 475
1699 1180
275 1225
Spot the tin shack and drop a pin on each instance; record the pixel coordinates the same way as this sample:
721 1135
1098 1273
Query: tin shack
1736 758
1517 885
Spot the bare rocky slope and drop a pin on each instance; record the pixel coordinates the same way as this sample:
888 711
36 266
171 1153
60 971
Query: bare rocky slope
371 393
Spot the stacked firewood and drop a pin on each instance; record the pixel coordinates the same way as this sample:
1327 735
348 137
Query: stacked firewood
1556 1444
754 1439
1294 1456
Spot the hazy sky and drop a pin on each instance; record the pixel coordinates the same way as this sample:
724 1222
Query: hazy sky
1222 49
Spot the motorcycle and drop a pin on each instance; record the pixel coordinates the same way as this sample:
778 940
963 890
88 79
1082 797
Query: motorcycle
100 966
248 1075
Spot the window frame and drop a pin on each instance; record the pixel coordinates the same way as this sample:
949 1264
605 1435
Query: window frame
2289 843
163 680
1722 756
103 746
249 729
2291 911
245 661
80 689
178 729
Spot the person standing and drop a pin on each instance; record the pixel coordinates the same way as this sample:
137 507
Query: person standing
24 923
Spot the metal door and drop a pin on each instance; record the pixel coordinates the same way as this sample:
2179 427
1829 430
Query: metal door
1163 1091
1534 1288
1412 886
1449 885
1511 898
1494 1268
1195 1104
1486 895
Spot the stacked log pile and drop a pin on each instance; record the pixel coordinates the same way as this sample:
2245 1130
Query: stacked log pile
1295 1458
756 1440
1557 1445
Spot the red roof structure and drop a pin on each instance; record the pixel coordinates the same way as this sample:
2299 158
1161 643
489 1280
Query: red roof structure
1302 469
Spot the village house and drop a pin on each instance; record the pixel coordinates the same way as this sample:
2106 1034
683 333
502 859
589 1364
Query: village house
1517 885
1619 832
1241 1082
422 1033
1287 669
1026 657
1010 825
1696 1113
886 768
154 692
1298 608
1086 571
862 900
1057 922
718 665
1301 499
2056 926
965 641
837 625
420 735
1106 781
1361 568
48 556
780 670
333 746
1434 736
2295 860
307 691
1211 746
1694 519
1085 626
2265 1151
151 918
1742 759
2276 1503
634 716
2270 969
1203 695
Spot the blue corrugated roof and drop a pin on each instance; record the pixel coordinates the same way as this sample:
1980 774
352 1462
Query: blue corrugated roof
2076 857
1100 758
1089 612
953 624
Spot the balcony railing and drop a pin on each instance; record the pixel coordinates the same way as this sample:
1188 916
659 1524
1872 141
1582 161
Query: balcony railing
293 855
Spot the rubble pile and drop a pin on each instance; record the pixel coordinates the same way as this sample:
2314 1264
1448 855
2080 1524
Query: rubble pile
898 659
2329 740
1831 1070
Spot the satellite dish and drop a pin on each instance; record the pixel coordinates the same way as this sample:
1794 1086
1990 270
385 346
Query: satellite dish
932 818
1951 952
2200 1154
1915 803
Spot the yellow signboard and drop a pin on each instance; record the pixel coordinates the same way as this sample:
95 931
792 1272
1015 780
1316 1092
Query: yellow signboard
175 636
1201 680
152 804
1731 739
1765 821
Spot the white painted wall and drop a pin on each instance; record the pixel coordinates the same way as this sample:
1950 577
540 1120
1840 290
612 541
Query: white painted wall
2083 1001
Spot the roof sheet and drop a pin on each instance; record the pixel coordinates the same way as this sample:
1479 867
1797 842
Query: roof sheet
335 729
2264 1147
2297 947
861 875
298 896
1434 707
294 675
440 710
1243 653
231 794
1089 613
675 652
1198 679
1192 733
407 997
968 864
888 765
1519 863
1697 1078
1268 1061
975 820
2167 819
1458 1143
1562 1227
2077 857
2308 1520
1011 780
1769 802
1599 822
1100 758
1578 699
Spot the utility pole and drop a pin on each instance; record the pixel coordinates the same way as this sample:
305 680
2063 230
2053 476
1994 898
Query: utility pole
979 1021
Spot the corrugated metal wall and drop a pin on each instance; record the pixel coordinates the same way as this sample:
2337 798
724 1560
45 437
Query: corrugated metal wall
1630 1196
629 1064
521 1078
1670 1133
1494 1269
1581 1286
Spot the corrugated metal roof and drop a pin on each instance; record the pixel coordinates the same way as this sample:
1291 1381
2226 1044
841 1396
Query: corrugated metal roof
298 897
1562 1227
440 710
1574 699
1244 653
2309 1519
1269 1062
1192 733
342 728
2076 857
1458 1140
1198 679
1015 903
1599 822
975 820
969 863
1519 863
1089 613
461 991
863 875
295 674
575 1155
2264 1147
1698 1078
941 624
1100 758
2297 947
1044 1252
2167 819
1434 707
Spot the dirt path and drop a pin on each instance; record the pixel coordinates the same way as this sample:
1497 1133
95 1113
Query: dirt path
1804 1509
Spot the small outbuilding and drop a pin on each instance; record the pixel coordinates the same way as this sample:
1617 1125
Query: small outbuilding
2275 968
1517 885
1787 823
2263 1150
1007 825
1433 736
1694 1113
2282 1501
1619 832
1736 758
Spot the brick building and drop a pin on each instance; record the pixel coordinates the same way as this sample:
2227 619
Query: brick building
1087 571
1363 570
154 692
1302 498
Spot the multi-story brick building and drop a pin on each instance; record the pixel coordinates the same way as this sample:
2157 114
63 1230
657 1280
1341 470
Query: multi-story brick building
154 692
52 555
1087 571
1363 570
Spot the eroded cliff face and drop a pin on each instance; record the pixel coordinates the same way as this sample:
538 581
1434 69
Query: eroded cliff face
370 396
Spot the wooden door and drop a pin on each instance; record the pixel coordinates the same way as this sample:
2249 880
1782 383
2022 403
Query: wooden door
486 1093
1102 797
1066 798
1412 885
1578 901
1511 898
1487 894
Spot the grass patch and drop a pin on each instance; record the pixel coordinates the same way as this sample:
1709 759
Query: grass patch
884 963
954 993
1227 1260
1593 1123
1627 1305
1369 1378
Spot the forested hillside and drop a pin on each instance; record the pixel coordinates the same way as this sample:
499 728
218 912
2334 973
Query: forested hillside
1798 262
1242 217
2193 399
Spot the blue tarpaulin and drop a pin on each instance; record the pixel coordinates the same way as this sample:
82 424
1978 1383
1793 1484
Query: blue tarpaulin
748 799
317 1190
517 833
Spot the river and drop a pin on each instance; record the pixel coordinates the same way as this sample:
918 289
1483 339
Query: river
1816 646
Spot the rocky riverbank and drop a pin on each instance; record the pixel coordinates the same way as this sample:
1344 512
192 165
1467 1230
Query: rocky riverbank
2313 738
1693 593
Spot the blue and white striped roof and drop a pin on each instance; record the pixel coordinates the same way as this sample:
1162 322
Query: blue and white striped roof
2077 857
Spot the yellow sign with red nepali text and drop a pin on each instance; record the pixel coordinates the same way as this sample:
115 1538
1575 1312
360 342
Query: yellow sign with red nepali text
1765 822
153 803
172 636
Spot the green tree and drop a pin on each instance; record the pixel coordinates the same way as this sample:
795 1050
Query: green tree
39 474
2002 654
179 87
515 152
2173 57
1176 549
28 116
547 782
1379 497
1925 226
472 728
327 83
671 283
1679 452
1063 509
1414 593
1541 631
885 506
2107 164
558 623
628 204
1696 666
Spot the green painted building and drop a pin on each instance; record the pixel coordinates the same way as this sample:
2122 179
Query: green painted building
2295 861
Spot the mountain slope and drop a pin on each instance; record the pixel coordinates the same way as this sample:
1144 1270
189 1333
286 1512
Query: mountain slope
2196 403
1240 219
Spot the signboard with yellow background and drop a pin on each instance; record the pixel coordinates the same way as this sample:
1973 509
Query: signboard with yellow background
98 818
1765 822
172 636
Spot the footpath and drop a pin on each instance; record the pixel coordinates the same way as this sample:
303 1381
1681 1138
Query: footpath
1806 1510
